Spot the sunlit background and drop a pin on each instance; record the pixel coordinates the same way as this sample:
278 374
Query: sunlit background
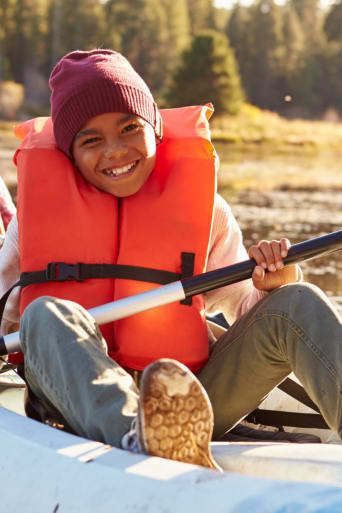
273 71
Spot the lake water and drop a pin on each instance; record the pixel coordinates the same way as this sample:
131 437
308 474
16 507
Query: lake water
298 214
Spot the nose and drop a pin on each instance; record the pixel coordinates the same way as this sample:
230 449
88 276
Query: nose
116 150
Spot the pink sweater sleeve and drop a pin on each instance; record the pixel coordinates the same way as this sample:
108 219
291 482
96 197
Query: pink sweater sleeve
9 274
226 248
7 207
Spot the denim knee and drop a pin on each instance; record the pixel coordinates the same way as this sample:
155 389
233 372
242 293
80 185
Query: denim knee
293 293
37 308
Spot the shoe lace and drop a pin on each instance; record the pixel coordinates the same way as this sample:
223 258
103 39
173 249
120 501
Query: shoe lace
130 440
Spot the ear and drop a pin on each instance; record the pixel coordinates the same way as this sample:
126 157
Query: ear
159 129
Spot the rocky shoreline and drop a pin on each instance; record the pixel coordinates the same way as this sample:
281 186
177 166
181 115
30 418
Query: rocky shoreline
297 215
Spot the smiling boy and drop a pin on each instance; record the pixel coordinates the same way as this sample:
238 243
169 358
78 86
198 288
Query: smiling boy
143 204
116 152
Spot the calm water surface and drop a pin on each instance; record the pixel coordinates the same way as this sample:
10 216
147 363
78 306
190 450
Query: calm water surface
298 214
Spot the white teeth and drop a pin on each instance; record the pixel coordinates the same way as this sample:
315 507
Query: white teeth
118 171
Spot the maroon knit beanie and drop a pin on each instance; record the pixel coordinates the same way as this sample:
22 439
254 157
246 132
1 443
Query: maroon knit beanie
86 84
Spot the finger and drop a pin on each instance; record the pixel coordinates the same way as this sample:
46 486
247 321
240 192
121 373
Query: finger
276 248
285 245
266 250
258 274
255 253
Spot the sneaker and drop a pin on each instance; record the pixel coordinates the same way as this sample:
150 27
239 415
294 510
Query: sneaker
175 418
130 440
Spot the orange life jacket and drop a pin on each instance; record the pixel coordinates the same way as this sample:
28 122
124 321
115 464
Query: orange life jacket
63 218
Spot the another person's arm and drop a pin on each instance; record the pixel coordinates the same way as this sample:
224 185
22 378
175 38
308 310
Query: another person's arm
7 207
9 274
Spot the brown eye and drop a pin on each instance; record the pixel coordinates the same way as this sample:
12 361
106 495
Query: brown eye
131 127
91 140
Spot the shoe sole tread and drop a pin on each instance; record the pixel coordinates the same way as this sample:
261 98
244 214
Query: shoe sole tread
175 425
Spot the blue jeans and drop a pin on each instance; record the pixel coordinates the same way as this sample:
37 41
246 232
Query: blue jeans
294 328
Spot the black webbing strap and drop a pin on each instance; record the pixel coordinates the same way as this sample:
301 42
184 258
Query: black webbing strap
188 265
296 391
62 271
285 418
294 419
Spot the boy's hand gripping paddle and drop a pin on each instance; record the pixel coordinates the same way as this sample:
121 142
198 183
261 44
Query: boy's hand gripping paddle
188 287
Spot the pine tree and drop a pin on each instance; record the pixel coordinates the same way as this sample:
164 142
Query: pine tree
333 53
79 24
291 59
202 15
23 46
263 62
178 28
207 73
146 48
333 23
6 27
236 28
153 33
294 39
333 89
237 31
310 82
311 19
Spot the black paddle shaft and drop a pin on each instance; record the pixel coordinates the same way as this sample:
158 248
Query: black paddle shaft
306 250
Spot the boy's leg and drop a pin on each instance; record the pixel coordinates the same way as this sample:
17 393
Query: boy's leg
67 366
294 328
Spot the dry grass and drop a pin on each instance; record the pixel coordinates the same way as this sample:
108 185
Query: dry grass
7 137
6 127
265 170
254 127
258 150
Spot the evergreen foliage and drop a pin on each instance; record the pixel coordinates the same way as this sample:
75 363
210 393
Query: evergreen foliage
291 51
202 15
151 34
238 33
207 73
333 23
294 40
20 47
310 16
77 24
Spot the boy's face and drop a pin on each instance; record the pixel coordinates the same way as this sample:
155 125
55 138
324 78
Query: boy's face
116 152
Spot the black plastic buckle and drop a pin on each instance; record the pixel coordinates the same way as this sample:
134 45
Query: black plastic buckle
60 271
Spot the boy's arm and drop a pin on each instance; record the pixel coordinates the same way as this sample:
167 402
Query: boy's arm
9 274
226 248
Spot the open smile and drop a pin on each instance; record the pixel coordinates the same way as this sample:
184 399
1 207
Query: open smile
119 172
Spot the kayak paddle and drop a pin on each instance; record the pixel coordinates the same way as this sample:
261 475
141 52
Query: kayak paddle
188 287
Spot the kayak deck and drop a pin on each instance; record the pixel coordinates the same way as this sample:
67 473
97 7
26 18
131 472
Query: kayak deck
50 465
316 463
55 471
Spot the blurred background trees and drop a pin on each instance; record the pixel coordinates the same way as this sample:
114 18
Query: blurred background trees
286 58
207 72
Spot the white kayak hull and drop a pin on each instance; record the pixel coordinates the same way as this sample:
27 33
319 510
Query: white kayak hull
46 470
43 469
